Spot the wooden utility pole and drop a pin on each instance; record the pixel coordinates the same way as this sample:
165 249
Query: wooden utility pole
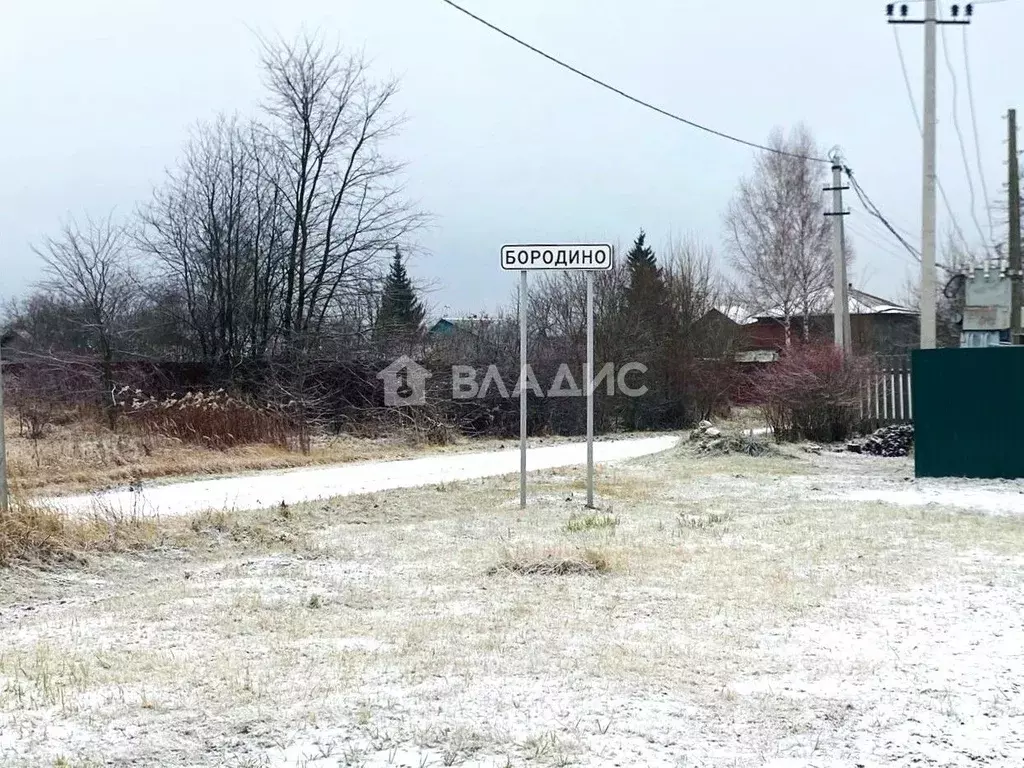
1016 278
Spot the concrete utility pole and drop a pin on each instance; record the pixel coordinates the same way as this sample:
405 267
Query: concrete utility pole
840 297
1017 294
928 297
928 185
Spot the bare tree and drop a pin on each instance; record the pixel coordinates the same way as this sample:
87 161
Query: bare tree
778 239
89 266
957 261
345 203
215 228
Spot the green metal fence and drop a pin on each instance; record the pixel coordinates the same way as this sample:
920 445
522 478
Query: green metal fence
969 412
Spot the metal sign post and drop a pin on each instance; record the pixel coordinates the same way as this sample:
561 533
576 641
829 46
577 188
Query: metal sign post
577 256
523 299
590 390
4 497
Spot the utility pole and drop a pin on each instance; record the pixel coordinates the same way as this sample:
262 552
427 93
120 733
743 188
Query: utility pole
840 297
1014 240
928 181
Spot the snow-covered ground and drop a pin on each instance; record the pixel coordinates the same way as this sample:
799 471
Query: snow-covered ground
294 486
756 613
1004 499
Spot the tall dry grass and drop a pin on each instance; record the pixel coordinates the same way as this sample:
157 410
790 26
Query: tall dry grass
215 420
34 534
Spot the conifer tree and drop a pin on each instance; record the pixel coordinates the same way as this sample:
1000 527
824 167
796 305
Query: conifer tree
401 312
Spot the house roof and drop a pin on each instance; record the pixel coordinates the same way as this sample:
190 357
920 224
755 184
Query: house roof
860 303
471 324
738 314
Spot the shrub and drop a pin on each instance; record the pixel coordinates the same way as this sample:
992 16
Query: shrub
812 393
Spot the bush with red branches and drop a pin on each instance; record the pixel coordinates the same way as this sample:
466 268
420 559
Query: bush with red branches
812 393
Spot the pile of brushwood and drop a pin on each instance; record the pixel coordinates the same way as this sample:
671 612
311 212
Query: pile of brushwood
891 441
709 439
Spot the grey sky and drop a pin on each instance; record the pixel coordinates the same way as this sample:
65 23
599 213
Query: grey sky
502 146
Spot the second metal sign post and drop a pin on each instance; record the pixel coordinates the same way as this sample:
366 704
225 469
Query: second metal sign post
576 256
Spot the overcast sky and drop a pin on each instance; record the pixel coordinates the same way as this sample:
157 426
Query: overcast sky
503 146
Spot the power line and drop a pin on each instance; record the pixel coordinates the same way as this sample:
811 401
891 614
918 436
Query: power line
870 237
873 210
634 99
920 130
977 141
877 229
960 134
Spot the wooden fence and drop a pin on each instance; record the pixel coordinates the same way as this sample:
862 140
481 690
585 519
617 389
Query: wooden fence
887 396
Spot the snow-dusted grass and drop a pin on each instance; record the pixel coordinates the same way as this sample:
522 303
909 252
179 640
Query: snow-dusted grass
749 614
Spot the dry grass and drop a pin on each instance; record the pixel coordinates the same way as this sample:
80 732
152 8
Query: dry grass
368 629
593 521
85 455
36 535
554 562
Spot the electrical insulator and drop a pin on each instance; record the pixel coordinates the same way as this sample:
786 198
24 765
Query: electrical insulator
890 9
955 10
904 10
969 9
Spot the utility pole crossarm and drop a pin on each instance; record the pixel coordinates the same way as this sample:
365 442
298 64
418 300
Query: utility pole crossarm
904 10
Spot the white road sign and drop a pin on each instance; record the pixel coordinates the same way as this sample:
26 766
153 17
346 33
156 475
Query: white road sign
589 256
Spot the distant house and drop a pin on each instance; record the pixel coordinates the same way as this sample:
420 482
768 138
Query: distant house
879 327
454 326
460 337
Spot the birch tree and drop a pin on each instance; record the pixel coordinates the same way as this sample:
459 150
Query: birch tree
778 239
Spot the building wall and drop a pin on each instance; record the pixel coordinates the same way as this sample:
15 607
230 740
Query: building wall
889 334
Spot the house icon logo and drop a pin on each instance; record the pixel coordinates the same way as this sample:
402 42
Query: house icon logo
405 382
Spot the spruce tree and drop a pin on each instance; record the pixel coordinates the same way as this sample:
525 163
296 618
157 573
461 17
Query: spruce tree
641 255
646 286
648 317
401 313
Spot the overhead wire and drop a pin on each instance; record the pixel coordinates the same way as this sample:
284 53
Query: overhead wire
630 97
977 141
869 206
960 134
872 237
920 130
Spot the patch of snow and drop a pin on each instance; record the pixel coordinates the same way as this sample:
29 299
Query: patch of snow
929 676
270 489
1000 501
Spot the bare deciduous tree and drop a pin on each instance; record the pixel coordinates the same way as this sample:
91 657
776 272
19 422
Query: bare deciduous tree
215 229
345 203
89 267
950 298
778 238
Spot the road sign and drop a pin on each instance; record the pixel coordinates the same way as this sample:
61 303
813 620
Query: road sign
590 257
587 256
